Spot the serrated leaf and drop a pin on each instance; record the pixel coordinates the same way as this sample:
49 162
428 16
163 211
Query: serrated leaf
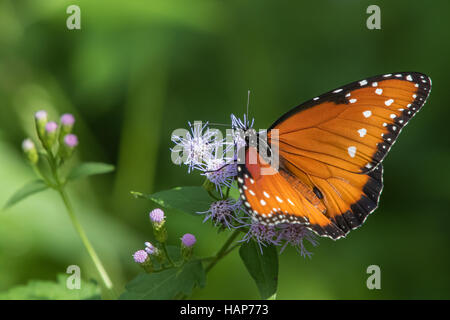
26 191
262 266
86 169
40 290
166 284
184 199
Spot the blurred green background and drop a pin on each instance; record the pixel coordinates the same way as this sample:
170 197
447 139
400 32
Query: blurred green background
137 70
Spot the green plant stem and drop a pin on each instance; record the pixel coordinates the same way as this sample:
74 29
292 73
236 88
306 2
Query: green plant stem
87 244
79 229
224 250
164 247
232 248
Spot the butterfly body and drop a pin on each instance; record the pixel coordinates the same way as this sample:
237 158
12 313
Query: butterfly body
330 152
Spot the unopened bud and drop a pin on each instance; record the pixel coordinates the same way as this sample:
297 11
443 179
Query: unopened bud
70 141
30 151
41 119
187 245
51 129
67 122
158 220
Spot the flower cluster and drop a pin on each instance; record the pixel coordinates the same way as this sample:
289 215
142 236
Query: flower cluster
202 148
155 256
57 140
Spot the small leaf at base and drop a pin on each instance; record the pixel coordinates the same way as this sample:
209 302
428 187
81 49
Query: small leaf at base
27 190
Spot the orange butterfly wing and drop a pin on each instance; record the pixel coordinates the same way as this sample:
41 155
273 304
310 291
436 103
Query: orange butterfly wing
333 145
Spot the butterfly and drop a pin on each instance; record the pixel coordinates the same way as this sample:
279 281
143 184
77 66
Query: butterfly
331 149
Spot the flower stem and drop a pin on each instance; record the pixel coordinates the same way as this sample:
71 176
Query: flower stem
223 251
59 187
164 247
87 244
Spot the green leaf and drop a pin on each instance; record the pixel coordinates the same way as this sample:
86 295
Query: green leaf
27 190
184 199
88 169
166 284
263 267
40 290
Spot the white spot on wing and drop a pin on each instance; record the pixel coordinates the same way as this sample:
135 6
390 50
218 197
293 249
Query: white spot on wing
363 83
389 102
362 132
379 91
367 113
352 151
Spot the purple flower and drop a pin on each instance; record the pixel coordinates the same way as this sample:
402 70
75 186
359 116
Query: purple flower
220 172
67 119
223 212
263 234
198 146
157 215
41 115
294 234
188 240
140 256
51 127
71 140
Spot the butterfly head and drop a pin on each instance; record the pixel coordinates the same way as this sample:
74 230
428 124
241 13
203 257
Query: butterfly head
242 124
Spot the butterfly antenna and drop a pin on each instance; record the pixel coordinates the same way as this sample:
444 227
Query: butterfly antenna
220 124
248 102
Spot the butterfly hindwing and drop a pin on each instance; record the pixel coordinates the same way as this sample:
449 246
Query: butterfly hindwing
281 198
